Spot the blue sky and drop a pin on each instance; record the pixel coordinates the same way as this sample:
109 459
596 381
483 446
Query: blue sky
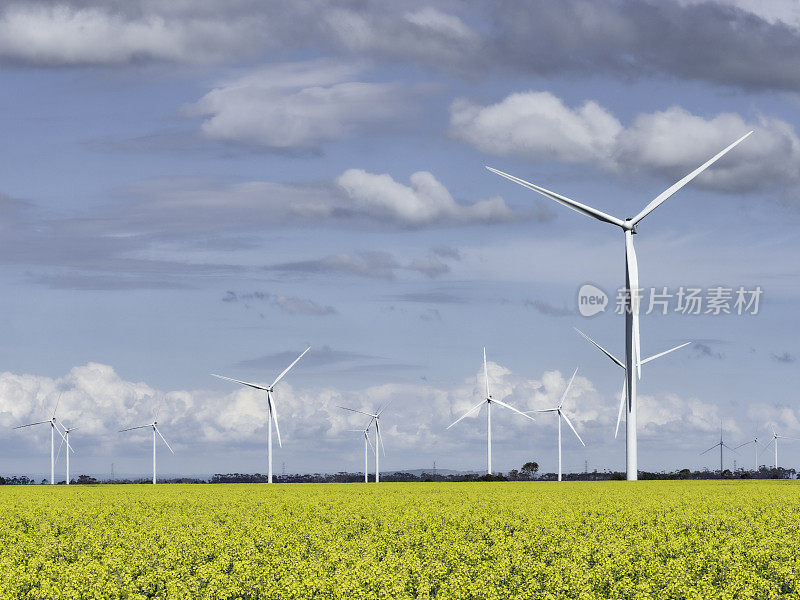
210 187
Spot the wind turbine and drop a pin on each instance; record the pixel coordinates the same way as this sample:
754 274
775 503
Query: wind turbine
154 425
367 441
633 360
374 418
754 441
53 430
69 448
561 415
775 438
721 444
489 401
272 416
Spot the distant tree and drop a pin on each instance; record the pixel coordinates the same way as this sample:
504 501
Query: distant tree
529 469
513 474
85 480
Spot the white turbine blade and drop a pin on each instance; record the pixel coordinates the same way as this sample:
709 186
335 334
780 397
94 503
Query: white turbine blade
486 372
31 424
252 385
745 444
378 414
361 412
566 418
774 433
633 279
710 449
509 407
660 354
379 437
603 350
656 202
542 410
768 444
132 428
286 370
164 439
566 389
57 403
478 405
568 202
621 405
274 416
724 445
58 454
785 437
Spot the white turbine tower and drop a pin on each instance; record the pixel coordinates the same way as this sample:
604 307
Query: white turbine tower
367 443
154 425
374 418
488 400
272 414
558 410
633 360
69 447
53 430
754 441
775 438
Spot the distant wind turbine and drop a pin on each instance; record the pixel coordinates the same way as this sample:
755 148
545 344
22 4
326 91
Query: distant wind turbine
775 438
488 400
367 442
272 414
720 444
558 410
53 430
754 441
154 425
69 447
632 350
374 418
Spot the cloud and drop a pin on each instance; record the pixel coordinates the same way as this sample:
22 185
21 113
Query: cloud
446 252
702 350
431 266
784 358
290 305
429 298
296 106
371 264
425 201
547 309
667 143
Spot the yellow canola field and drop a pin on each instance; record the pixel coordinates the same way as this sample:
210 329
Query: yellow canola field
646 540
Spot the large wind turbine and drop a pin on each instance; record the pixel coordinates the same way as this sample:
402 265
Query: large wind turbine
154 425
561 415
272 414
489 401
374 418
633 360
775 438
53 430
754 441
367 443
720 444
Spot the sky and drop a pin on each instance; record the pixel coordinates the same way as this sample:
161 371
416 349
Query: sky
200 187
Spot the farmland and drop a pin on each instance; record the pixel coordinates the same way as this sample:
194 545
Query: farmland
665 540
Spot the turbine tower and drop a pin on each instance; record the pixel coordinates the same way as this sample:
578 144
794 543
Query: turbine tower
374 418
558 410
488 400
69 447
272 414
154 425
775 438
632 350
754 441
720 444
53 430
367 443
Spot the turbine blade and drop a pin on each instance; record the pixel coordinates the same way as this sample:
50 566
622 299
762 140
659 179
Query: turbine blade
383 408
509 407
31 424
541 410
58 454
286 370
724 445
632 267
57 403
710 449
273 413
369 441
252 385
478 405
486 372
132 428
379 437
745 444
356 411
568 202
785 437
660 354
566 389
768 444
566 418
164 439
603 350
656 202
621 405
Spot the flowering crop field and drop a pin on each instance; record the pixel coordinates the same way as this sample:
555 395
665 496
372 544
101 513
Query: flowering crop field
659 540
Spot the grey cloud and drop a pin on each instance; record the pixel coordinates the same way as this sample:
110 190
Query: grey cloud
323 356
290 305
701 350
374 265
784 358
548 309
429 298
431 266
446 252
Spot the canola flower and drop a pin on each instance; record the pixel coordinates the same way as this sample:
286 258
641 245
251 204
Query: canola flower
648 540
